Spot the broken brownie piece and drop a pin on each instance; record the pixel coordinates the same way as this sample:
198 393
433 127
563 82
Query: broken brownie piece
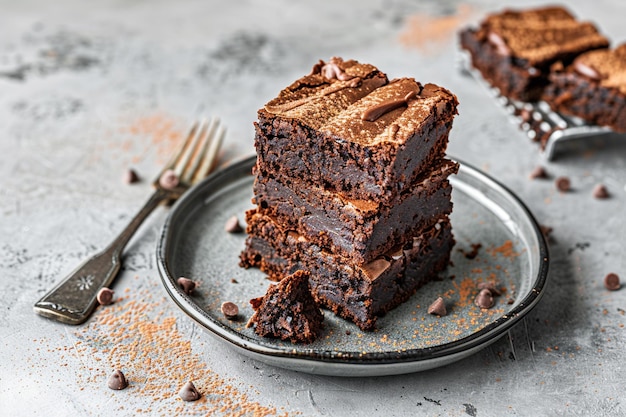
288 311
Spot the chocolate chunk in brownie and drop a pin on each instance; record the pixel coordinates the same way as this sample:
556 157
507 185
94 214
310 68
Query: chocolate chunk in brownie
514 49
593 88
288 311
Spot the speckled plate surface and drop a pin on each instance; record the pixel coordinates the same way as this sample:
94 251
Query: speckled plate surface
513 252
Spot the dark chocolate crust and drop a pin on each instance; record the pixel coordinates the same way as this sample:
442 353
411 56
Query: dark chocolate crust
358 158
357 293
514 49
288 311
360 231
592 88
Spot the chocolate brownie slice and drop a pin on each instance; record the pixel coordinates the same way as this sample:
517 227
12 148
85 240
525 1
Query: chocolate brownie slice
358 230
515 48
288 311
356 292
592 88
371 149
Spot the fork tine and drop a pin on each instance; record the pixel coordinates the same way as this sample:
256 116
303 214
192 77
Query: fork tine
199 154
171 163
209 160
190 149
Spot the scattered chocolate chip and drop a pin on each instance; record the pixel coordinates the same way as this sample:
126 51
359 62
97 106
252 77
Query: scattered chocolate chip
117 380
187 285
611 282
600 191
438 307
230 310
189 392
484 299
348 332
234 281
563 184
510 300
169 179
105 296
491 286
232 225
130 176
538 172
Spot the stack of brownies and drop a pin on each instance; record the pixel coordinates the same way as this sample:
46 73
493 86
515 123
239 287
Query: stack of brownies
351 186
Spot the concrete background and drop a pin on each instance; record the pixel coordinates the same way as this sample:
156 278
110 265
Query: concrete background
89 89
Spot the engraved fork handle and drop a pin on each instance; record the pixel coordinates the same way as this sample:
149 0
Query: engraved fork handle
73 300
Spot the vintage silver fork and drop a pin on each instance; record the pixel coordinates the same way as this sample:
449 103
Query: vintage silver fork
74 299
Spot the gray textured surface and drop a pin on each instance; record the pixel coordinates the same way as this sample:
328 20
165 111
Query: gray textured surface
89 89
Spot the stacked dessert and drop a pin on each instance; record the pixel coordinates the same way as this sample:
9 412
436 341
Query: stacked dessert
351 186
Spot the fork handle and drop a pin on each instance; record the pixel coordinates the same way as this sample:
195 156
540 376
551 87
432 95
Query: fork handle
74 299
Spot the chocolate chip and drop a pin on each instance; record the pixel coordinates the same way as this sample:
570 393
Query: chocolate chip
611 282
234 281
438 307
348 332
600 191
230 310
491 286
117 380
169 179
563 184
130 176
187 285
232 225
484 299
189 392
105 296
538 172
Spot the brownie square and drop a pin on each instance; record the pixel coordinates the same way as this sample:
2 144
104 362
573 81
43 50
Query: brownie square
593 88
358 230
358 293
514 49
371 149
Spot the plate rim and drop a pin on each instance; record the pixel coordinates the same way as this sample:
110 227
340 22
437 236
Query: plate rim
302 355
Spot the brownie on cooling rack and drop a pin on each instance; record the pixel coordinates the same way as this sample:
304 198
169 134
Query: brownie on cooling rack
514 49
593 88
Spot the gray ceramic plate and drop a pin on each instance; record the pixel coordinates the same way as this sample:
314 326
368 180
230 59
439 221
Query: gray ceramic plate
194 244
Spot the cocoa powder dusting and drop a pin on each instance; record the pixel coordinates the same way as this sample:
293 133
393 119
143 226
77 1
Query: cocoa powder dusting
429 33
136 336
158 133
506 250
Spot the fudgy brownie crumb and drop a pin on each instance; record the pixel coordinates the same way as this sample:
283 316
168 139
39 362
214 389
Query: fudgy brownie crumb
288 311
